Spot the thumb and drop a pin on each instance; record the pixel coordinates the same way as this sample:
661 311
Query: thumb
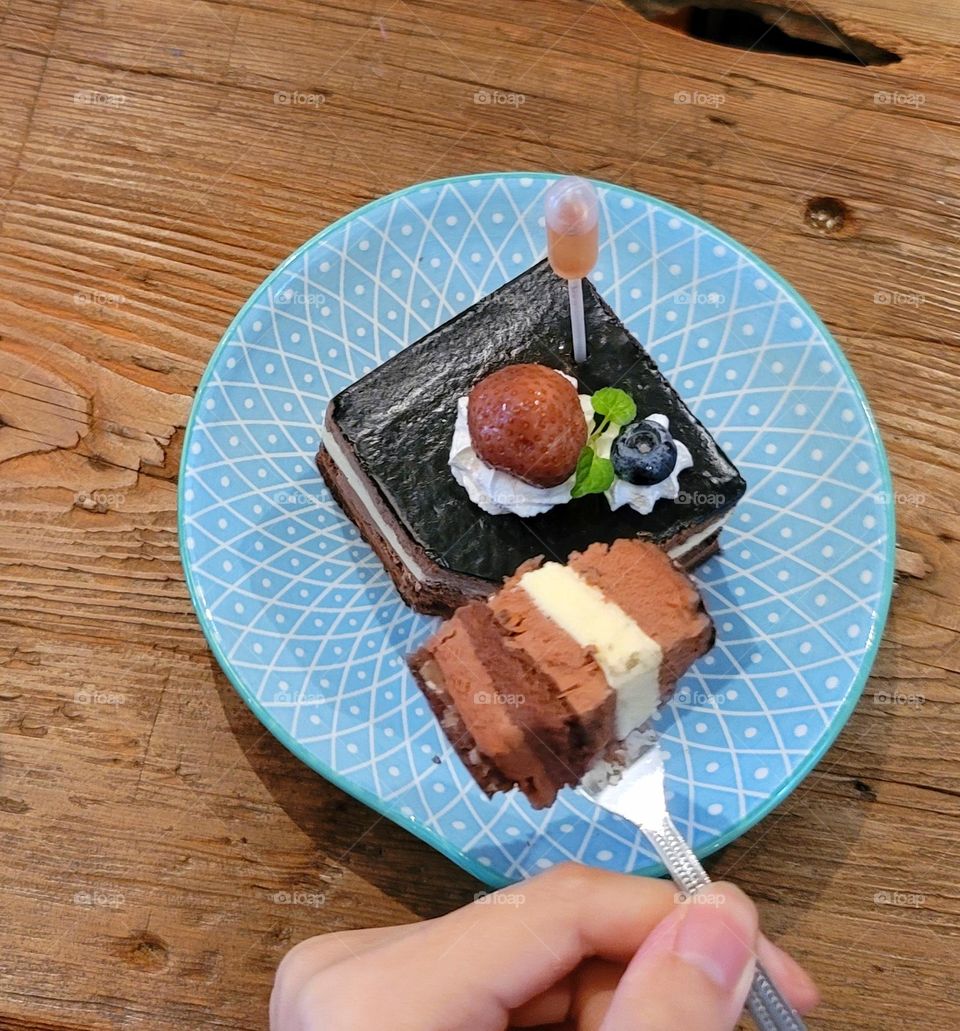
694 970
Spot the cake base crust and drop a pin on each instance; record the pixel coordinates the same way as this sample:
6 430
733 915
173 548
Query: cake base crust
441 591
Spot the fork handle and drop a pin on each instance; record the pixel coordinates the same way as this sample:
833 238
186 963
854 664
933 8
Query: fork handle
769 1009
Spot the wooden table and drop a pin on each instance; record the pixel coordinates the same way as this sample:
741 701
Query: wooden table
159 158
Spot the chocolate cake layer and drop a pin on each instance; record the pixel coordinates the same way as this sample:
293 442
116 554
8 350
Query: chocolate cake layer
505 702
657 596
391 431
429 677
434 590
698 555
577 679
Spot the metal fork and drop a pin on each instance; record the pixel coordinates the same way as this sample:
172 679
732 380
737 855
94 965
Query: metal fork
638 796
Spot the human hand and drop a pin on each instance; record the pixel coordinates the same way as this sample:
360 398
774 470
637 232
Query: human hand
575 949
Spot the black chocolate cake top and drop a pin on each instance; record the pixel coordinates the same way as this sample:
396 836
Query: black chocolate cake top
399 422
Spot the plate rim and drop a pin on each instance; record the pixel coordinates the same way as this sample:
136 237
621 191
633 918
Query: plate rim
370 799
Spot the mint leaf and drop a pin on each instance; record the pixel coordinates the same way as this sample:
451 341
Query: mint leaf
616 405
594 474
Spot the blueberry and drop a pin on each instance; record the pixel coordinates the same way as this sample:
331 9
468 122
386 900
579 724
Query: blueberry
643 453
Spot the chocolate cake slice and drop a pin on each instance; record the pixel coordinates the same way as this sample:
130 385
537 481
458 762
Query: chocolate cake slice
386 443
557 668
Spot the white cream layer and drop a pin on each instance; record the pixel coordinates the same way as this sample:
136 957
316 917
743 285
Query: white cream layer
630 659
369 505
698 538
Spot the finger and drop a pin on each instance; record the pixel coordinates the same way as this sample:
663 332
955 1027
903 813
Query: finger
585 996
473 967
549 1007
596 984
313 955
695 969
787 974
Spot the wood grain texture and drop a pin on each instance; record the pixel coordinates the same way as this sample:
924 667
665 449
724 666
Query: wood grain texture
160 851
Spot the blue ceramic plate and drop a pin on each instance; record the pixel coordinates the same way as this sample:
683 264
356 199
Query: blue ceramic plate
309 629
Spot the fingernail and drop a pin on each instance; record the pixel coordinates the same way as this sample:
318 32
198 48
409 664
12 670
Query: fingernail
718 937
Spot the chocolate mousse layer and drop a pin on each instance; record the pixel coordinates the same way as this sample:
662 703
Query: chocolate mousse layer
514 721
653 591
575 676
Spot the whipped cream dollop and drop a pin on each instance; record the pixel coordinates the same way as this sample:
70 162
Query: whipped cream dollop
642 498
496 491
500 493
